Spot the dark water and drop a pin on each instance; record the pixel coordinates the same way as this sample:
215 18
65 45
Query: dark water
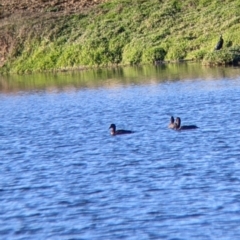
64 177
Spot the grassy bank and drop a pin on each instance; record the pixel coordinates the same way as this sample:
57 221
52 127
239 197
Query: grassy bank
124 32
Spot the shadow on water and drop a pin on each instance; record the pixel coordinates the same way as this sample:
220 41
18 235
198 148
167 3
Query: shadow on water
112 77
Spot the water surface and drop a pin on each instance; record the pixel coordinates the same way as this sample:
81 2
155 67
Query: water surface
64 177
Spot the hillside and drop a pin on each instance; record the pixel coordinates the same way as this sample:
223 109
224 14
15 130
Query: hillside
9 7
13 10
40 35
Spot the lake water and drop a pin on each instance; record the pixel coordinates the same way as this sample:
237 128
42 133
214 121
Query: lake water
64 177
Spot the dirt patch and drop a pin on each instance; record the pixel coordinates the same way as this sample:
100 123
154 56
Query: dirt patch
15 12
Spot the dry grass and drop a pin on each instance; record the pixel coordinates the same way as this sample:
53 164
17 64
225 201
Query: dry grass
14 14
35 6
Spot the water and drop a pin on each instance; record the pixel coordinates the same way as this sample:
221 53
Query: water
64 177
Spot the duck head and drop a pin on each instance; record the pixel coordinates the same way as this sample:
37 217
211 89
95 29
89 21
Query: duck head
113 128
178 122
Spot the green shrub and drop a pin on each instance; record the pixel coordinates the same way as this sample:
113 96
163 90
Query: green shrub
199 54
220 57
115 50
153 54
235 49
176 52
203 3
69 57
132 53
236 53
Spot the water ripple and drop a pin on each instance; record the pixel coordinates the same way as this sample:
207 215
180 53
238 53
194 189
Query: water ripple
64 177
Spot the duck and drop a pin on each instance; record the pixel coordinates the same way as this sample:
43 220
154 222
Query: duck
220 43
185 127
171 125
114 132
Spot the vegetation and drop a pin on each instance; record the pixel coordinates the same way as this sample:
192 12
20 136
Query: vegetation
125 32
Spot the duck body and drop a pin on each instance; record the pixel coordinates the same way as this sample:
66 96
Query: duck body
114 132
184 127
187 127
219 44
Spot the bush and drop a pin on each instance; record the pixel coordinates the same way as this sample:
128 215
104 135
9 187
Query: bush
115 52
154 54
176 53
221 57
95 52
199 55
69 57
132 53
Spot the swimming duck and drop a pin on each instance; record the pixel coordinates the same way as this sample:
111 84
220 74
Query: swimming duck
186 127
171 124
118 132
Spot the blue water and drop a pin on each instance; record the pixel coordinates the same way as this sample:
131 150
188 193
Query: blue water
62 176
